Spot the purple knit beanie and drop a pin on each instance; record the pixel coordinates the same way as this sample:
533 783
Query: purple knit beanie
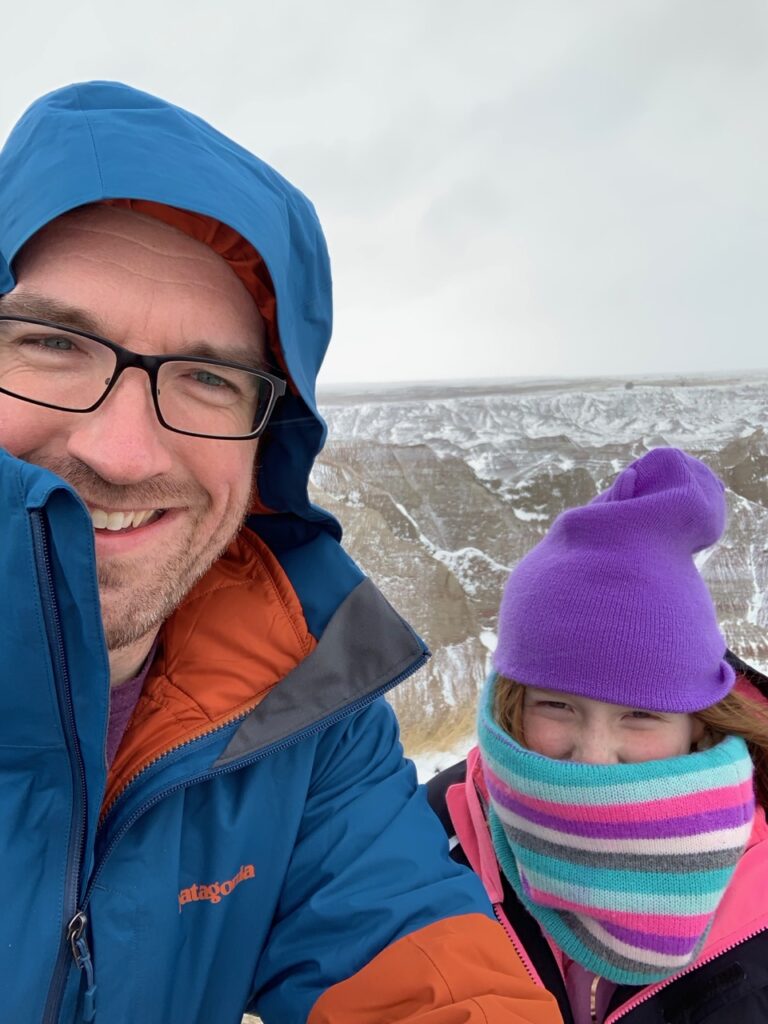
610 605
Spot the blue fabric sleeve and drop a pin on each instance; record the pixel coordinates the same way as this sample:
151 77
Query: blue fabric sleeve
370 865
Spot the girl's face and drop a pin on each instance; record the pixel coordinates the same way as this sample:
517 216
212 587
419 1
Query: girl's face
568 728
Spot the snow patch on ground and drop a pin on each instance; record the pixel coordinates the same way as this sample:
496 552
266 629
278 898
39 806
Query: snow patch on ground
528 516
461 562
433 761
488 639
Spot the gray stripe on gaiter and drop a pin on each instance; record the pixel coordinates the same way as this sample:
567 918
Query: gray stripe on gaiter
611 955
364 646
667 863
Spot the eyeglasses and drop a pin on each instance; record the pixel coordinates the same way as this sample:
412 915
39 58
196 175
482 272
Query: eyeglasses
53 366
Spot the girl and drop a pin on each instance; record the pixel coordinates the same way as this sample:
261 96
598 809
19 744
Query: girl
610 805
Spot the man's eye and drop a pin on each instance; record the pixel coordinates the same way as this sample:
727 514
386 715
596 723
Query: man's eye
211 380
52 342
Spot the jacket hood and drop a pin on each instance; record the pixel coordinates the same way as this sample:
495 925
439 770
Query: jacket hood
102 140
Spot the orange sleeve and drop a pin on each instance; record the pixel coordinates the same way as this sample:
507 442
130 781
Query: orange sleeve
462 970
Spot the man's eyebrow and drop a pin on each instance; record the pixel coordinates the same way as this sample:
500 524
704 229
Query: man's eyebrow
38 307
248 355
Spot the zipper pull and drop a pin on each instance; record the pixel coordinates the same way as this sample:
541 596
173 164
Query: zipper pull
593 998
81 953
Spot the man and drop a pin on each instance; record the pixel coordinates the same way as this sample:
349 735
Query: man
236 827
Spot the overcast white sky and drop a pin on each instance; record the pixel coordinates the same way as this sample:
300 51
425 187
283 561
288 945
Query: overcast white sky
508 187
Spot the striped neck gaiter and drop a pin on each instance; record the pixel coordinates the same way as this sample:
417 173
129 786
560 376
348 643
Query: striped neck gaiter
623 865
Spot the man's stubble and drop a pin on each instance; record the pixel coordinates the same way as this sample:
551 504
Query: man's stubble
137 597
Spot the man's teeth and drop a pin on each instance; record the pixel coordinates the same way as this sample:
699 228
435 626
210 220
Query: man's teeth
121 520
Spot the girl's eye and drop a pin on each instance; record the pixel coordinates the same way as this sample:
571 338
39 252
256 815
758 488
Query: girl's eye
642 715
558 705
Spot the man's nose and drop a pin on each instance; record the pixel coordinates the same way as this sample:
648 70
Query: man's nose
122 440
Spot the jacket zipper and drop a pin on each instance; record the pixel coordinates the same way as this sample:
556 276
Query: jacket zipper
632 1004
76 920
526 961
272 748
74 940
516 945
593 998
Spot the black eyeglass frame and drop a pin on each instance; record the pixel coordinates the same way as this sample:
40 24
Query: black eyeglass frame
126 359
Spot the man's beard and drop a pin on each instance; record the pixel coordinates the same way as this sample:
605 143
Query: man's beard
141 606
136 599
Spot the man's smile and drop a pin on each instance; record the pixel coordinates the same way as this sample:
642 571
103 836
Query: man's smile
124 520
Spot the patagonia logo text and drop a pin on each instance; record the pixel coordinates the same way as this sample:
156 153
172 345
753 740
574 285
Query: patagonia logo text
214 892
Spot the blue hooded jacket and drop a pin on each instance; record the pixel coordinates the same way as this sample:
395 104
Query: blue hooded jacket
278 858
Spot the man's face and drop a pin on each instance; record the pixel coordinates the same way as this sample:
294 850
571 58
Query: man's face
156 291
